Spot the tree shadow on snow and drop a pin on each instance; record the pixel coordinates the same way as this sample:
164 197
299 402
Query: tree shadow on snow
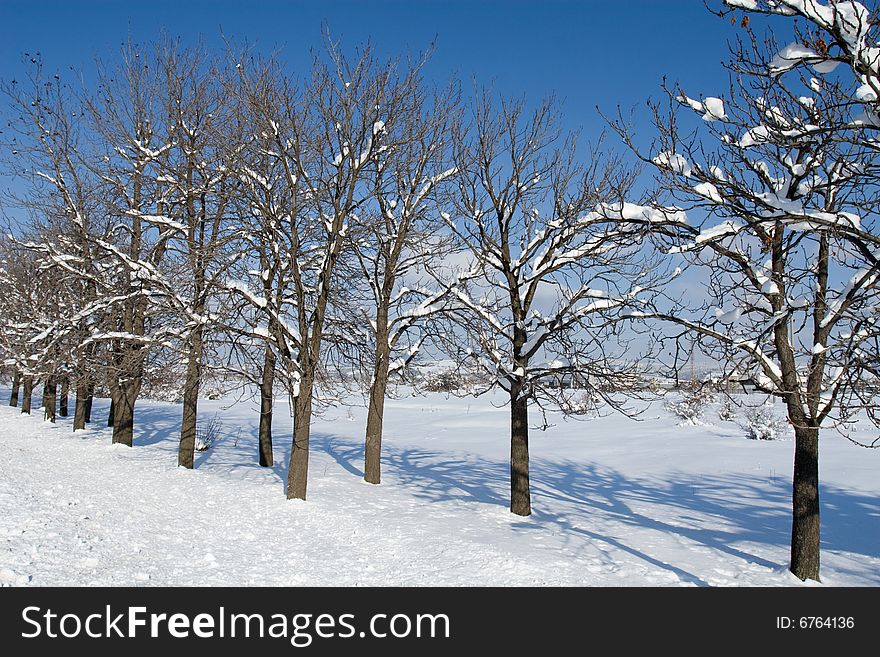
724 513
159 425
727 513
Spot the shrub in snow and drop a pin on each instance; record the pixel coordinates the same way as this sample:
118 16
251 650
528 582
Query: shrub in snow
694 397
443 381
207 433
449 380
163 382
164 391
580 404
762 423
214 392
727 410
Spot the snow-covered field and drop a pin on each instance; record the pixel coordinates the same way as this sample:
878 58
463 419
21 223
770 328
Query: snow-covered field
616 503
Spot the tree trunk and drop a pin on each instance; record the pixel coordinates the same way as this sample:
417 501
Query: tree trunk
111 415
298 473
520 497
26 394
89 398
50 397
80 414
65 396
266 401
123 411
375 415
805 504
16 384
186 450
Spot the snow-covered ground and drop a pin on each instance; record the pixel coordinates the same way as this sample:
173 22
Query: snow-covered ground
616 503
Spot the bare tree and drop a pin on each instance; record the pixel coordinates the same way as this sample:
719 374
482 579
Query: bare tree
46 150
555 272
400 241
789 241
333 142
35 308
271 204
204 184
17 273
131 115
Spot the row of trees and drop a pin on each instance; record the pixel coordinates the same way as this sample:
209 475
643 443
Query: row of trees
191 211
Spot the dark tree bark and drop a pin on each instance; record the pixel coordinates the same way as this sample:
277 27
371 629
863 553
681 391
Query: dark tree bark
266 401
375 415
298 473
89 398
123 411
81 407
805 504
27 393
520 497
111 415
186 450
50 398
65 396
16 385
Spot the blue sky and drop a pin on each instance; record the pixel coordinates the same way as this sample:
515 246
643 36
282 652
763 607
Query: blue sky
588 53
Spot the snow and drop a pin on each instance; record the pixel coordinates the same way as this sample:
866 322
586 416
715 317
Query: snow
755 350
728 317
790 56
770 287
534 340
757 135
636 212
695 105
724 229
709 191
865 93
616 503
826 67
675 162
862 279
743 4
714 109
